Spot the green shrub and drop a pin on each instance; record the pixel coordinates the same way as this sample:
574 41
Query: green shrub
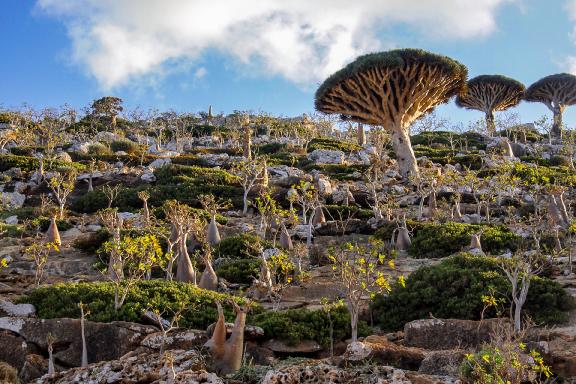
332 144
61 300
98 149
474 140
295 325
92 242
453 289
338 171
9 230
30 164
533 174
174 174
270 148
23 213
441 240
125 145
43 223
240 246
241 271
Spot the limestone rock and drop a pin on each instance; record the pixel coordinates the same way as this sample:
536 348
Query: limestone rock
106 341
159 163
326 156
439 334
379 350
16 310
139 368
305 346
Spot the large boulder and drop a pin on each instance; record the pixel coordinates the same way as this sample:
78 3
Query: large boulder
440 334
326 156
179 339
7 308
161 162
188 367
379 350
13 199
303 347
558 346
105 341
320 372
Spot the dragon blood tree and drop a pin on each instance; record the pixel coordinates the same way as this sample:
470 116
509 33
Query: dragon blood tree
556 92
489 94
392 89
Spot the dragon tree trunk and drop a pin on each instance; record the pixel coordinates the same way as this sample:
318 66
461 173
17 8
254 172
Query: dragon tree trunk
404 153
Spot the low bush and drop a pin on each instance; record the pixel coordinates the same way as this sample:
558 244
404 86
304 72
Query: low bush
175 174
9 230
30 164
338 171
61 300
472 139
241 271
454 289
125 145
296 325
98 149
92 242
270 148
240 247
332 144
440 240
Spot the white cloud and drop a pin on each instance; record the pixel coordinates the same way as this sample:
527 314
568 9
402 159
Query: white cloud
303 41
570 62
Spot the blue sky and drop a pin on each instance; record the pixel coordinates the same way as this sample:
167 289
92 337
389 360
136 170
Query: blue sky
187 55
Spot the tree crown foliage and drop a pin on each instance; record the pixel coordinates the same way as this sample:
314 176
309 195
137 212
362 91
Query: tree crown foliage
391 59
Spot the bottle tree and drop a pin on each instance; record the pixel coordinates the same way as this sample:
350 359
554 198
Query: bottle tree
489 94
392 89
556 92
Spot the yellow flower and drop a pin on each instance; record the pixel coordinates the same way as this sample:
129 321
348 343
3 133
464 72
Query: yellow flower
402 281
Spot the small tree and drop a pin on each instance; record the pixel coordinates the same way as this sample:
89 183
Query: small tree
183 220
556 92
109 107
489 94
520 270
357 268
39 253
135 256
62 185
249 172
84 311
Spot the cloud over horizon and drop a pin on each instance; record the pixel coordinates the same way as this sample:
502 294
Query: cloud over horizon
121 41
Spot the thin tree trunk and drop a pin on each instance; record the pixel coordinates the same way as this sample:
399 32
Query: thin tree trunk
556 131
490 125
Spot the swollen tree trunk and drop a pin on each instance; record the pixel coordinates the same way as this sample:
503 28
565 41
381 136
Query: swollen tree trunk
185 271
52 235
404 153
209 280
490 125
235 344
213 235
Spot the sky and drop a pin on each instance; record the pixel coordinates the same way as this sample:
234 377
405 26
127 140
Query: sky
263 55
